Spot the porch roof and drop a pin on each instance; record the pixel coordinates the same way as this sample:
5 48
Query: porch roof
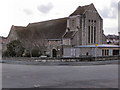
98 46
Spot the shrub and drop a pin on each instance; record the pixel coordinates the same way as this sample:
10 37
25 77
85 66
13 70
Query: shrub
5 54
14 48
35 53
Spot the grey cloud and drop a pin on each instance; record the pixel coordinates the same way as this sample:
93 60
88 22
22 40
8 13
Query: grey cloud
45 8
27 11
110 12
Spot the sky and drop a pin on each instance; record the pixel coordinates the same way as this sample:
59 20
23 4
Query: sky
23 12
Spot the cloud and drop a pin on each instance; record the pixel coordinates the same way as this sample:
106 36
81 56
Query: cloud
111 30
119 5
110 11
45 8
119 10
28 12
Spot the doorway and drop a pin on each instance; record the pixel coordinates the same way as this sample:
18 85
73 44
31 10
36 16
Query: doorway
115 52
54 53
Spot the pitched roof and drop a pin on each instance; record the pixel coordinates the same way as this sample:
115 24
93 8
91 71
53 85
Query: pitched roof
19 27
80 10
52 29
22 33
69 34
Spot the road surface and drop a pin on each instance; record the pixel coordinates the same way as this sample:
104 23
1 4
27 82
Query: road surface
31 76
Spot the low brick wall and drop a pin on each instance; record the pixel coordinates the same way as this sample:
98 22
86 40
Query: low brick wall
63 59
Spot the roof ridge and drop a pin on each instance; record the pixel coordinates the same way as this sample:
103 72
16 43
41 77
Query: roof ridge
81 9
17 26
47 21
88 7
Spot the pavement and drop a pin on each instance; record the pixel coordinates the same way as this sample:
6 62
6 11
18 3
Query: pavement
58 63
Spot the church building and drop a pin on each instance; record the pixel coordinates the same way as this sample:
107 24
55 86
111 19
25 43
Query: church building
79 34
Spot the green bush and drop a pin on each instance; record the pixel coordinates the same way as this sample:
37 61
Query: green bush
5 54
14 48
36 53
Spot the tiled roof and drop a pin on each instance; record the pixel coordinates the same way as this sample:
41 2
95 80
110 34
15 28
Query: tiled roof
52 29
69 34
80 10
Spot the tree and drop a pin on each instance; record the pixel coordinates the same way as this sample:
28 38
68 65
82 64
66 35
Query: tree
14 48
28 43
34 40
41 44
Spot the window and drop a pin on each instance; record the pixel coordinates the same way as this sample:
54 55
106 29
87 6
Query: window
105 52
94 22
89 20
92 31
88 34
94 34
87 54
61 42
73 22
91 34
115 52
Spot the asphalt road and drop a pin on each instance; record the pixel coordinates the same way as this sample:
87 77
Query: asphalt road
30 76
